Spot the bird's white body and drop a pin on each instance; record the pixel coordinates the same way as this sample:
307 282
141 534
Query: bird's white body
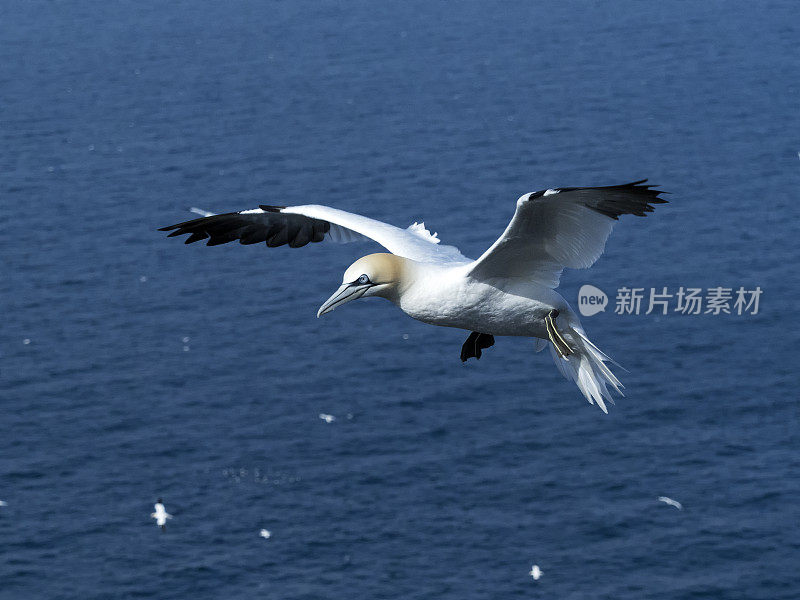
449 297
507 291
160 515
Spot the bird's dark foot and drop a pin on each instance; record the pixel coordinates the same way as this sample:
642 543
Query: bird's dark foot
476 342
559 342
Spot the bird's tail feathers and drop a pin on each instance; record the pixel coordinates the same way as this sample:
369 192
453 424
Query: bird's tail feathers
588 369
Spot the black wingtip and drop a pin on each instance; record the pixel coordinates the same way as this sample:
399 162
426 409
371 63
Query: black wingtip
247 227
635 198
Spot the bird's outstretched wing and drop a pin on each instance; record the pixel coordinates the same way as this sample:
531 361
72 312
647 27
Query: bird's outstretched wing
300 225
562 227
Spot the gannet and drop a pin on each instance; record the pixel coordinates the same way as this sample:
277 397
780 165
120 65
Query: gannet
160 515
671 502
265 534
510 290
535 572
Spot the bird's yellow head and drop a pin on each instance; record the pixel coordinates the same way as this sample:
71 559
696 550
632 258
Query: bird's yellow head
373 275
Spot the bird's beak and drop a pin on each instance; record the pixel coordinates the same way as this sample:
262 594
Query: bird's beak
347 292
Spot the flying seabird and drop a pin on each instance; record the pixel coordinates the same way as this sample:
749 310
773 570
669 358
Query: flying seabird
535 572
507 291
161 515
671 502
265 534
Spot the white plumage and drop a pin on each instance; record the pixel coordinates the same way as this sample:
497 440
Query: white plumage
671 502
509 290
160 515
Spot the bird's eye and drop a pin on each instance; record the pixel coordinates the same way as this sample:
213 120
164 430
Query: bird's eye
363 280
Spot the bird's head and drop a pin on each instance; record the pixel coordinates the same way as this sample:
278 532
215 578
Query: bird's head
373 275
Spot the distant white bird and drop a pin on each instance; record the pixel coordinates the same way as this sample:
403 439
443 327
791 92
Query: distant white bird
3 503
265 534
535 572
327 418
509 290
671 502
201 212
160 514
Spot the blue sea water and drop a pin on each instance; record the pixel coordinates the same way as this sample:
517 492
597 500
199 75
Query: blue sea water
198 374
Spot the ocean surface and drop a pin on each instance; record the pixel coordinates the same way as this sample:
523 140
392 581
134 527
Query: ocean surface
133 367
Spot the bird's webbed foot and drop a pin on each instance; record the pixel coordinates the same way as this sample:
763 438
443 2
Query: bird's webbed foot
562 348
476 342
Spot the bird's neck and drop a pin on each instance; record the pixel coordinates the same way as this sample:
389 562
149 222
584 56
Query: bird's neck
405 274
413 278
